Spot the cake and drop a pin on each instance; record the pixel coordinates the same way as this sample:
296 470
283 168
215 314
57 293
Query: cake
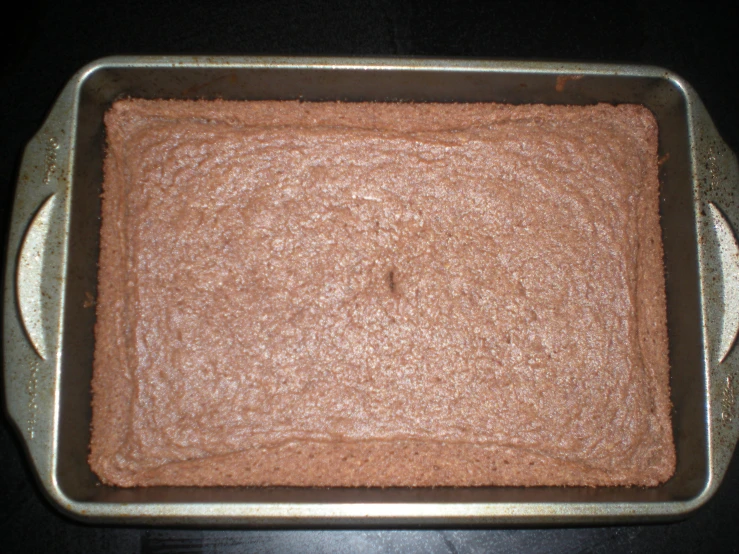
379 295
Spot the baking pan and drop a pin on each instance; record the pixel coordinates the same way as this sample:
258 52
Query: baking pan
51 272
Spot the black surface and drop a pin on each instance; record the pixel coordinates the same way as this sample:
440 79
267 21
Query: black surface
49 41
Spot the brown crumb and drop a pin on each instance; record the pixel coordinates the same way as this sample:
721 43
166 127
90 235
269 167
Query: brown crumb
562 81
89 300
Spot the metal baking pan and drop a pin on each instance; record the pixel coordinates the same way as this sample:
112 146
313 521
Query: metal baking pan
50 286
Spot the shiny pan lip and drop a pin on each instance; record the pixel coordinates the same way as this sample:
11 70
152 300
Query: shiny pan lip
51 281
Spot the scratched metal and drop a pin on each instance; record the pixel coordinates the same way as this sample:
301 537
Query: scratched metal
51 279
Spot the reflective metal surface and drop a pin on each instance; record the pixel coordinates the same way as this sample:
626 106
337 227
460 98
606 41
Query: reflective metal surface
51 281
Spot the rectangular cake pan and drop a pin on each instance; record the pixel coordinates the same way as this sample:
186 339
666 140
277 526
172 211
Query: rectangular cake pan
50 288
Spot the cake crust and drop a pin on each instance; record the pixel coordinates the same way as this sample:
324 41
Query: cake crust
380 294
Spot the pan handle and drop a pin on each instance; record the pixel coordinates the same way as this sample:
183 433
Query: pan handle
716 178
37 321
728 265
34 279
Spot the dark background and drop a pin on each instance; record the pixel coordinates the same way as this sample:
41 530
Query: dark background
49 41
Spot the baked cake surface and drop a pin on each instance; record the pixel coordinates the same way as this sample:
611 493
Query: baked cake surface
380 294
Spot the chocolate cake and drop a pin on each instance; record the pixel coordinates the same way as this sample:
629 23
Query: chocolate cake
380 294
